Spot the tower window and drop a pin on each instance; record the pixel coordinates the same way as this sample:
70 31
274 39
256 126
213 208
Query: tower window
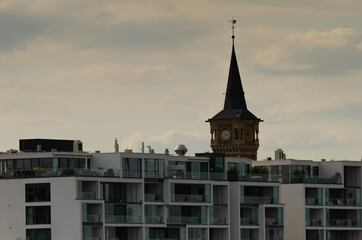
213 135
241 134
236 133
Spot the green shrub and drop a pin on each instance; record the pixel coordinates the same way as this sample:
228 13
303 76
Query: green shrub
233 173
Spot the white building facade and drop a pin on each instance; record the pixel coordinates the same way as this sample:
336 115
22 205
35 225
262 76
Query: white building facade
114 196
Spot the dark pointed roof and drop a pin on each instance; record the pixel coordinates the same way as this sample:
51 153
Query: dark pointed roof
235 104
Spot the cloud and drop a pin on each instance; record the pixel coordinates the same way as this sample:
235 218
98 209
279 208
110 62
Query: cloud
171 135
327 52
133 141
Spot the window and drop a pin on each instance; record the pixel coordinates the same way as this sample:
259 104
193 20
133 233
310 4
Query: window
219 164
39 192
37 215
236 134
46 163
38 234
132 167
154 168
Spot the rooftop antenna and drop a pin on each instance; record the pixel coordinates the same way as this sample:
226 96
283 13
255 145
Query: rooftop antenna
233 22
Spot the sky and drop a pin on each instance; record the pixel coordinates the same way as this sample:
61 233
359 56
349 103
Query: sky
153 71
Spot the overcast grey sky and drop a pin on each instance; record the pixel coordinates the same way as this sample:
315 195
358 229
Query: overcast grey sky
154 71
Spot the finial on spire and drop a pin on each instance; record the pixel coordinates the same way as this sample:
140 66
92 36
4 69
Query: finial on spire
233 22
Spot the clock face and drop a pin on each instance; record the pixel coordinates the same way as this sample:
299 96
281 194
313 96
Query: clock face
225 134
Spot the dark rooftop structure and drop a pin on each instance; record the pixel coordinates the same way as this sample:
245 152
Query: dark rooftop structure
49 145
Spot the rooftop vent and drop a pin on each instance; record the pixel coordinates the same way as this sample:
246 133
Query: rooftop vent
181 150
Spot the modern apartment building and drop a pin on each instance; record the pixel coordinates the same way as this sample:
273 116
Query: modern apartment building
114 196
322 199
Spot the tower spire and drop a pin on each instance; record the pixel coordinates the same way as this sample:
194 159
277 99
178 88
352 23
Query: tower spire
233 22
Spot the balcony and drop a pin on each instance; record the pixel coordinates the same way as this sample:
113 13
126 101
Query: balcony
343 197
132 174
58 172
343 223
153 219
179 174
259 200
272 222
218 221
259 194
314 223
123 219
190 192
152 197
92 219
187 198
248 221
185 220
87 195
313 201
316 179
153 175
342 202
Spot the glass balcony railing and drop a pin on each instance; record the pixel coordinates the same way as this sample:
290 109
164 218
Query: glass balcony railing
123 219
186 220
317 179
187 175
258 199
248 221
272 222
273 234
188 198
131 174
218 220
343 223
153 197
153 219
87 195
313 201
92 218
342 202
314 223
59 172
155 175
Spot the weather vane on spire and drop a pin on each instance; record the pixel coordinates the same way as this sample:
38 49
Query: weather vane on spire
233 22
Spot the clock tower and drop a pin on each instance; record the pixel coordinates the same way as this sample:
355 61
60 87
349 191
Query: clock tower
234 130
